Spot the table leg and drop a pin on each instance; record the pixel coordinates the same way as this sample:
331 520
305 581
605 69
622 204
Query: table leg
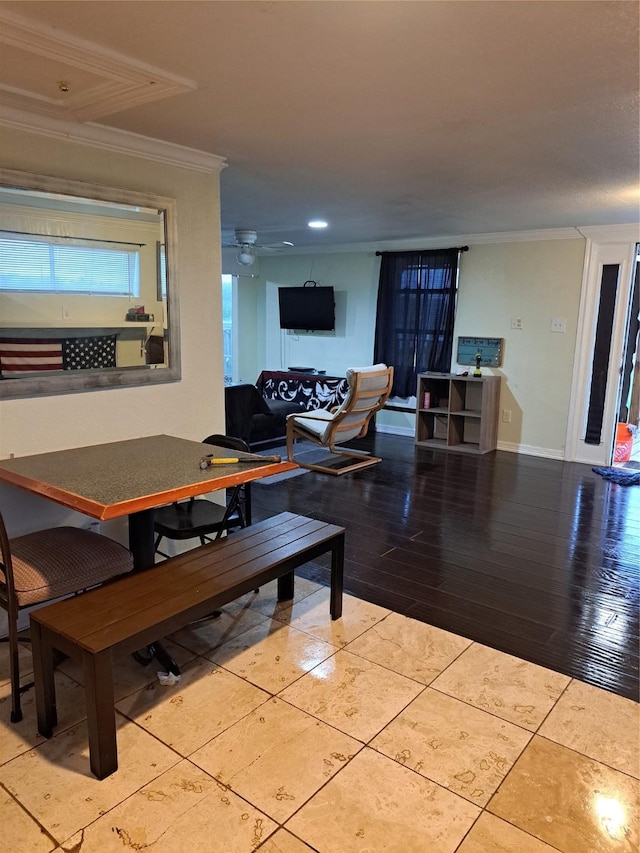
143 551
43 677
158 651
101 713
141 539
337 577
286 587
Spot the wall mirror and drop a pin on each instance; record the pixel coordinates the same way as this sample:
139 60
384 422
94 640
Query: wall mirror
88 287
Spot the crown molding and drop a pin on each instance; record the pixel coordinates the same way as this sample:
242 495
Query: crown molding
619 233
444 241
26 102
125 82
112 139
612 233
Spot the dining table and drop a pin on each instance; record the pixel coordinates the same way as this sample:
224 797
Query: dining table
132 478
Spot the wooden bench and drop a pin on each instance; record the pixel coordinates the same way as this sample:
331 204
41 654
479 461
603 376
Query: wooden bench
133 611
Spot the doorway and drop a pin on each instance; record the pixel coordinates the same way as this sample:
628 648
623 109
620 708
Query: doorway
602 343
229 328
627 446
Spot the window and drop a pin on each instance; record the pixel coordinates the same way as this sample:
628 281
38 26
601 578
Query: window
161 270
415 316
227 327
46 265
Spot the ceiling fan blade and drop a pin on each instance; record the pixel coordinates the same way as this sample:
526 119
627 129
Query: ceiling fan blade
283 244
246 237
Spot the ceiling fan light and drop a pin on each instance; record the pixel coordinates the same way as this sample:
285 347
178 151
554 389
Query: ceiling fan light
245 256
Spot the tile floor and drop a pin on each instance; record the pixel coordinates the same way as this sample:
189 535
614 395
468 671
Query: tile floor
289 734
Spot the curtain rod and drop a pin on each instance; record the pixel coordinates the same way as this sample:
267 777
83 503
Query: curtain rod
402 251
65 237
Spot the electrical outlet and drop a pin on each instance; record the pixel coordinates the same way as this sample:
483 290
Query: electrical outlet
506 416
66 313
516 322
558 324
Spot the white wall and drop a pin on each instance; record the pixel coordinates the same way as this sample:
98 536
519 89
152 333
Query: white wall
250 301
534 280
354 280
191 408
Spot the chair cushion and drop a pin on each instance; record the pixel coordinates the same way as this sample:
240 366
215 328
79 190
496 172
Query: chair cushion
273 426
318 425
190 519
375 383
51 563
283 408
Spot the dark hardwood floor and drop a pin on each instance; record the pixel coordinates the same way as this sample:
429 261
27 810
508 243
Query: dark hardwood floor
535 557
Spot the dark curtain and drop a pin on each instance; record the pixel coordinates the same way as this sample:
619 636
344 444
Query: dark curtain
416 311
632 353
601 351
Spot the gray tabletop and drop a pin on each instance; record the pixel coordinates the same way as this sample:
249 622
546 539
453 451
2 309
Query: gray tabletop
114 479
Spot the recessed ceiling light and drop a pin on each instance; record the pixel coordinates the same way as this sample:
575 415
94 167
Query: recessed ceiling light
317 223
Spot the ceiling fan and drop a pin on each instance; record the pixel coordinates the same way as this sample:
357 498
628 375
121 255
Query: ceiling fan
247 241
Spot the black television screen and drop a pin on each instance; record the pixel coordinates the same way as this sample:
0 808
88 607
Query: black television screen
310 309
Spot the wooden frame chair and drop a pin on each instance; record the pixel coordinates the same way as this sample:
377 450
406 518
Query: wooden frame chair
369 388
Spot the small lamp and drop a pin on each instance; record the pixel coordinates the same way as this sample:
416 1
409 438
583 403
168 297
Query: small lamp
245 256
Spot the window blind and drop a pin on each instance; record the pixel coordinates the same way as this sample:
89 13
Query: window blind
43 265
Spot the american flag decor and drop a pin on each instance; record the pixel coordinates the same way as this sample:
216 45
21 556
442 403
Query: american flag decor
89 353
19 356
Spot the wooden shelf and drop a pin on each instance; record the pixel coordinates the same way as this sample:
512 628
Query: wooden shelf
436 410
462 415
87 325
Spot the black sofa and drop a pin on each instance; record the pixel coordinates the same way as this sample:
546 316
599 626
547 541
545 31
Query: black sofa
261 423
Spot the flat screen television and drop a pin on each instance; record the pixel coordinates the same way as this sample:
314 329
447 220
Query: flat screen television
310 309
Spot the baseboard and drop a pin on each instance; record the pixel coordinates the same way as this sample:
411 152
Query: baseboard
395 430
508 446
530 450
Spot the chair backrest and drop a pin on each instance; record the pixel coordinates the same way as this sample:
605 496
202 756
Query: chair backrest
369 388
6 568
241 403
228 442
240 495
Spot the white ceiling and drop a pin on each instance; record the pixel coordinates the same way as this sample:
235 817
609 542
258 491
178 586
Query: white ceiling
391 120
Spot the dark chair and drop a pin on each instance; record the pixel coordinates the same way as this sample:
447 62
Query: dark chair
49 564
201 518
261 423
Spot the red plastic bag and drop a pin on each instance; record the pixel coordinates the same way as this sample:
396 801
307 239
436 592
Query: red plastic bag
624 443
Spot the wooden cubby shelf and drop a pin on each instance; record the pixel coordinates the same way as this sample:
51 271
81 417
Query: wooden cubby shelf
462 412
